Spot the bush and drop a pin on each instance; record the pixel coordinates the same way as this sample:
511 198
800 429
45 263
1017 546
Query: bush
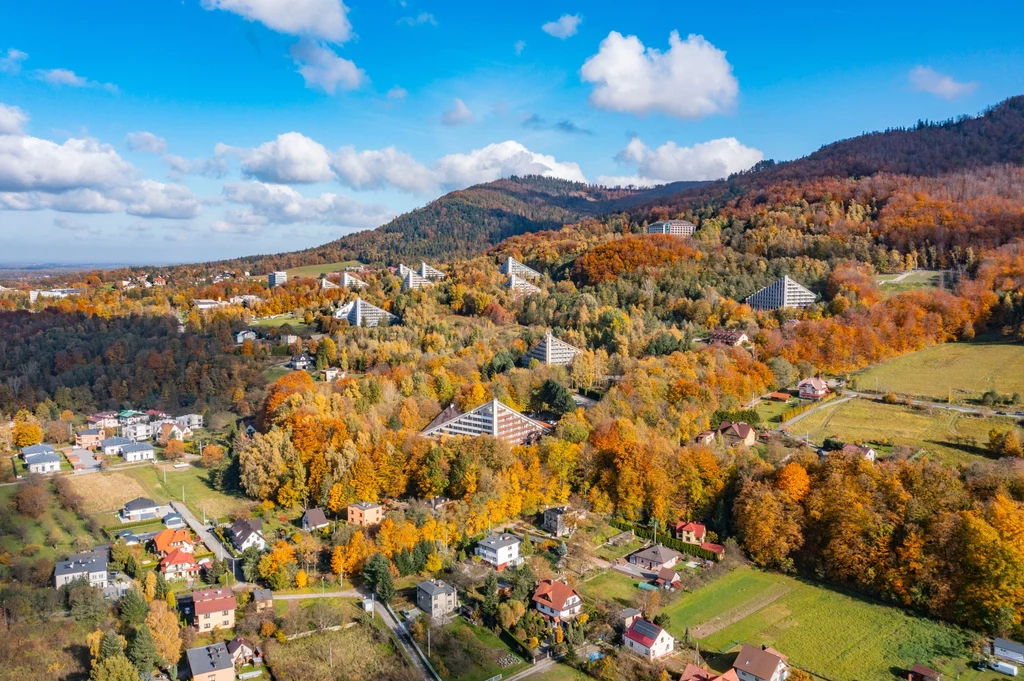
680 546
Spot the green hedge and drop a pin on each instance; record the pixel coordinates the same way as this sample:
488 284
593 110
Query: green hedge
796 411
667 540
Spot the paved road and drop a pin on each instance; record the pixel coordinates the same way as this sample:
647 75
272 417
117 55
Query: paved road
823 405
405 640
209 538
350 593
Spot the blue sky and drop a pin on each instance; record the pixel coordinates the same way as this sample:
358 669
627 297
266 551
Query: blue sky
168 131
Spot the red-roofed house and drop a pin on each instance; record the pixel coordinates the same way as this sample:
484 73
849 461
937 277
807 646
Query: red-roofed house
716 549
667 578
705 437
813 388
738 433
760 664
557 600
179 564
214 609
729 337
168 540
862 451
648 640
690 532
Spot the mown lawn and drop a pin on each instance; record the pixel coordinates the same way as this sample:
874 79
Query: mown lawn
315 271
770 411
966 369
942 434
561 672
826 632
610 586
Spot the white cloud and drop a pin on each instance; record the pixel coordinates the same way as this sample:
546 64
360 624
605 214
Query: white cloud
281 204
373 169
501 160
12 62
419 20
71 225
693 79
458 114
152 199
71 79
564 27
12 120
322 68
210 167
397 93
927 79
30 163
671 163
326 19
147 142
519 47
73 201
292 157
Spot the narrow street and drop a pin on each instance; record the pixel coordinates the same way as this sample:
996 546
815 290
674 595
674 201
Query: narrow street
209 538
406 642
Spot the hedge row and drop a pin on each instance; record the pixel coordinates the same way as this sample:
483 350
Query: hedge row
666 540
796 411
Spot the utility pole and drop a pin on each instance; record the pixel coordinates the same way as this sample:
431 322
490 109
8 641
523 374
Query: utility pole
183 494
428 641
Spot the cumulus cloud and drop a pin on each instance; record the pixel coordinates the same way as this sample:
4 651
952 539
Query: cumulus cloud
322 68
419 20
147 142
326 19
501 160
927 79
11 62
280 204
671 163
71 225
30 163
563 27
374 169
73 201
459 114
12 120
216 166
71 79
692 79
519 47
292 157
152 199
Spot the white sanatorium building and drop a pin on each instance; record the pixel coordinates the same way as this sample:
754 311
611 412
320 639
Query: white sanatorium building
551 351
361 313
352 281
492 418
520 286
673 227
414 282
513 266
428 272
779 294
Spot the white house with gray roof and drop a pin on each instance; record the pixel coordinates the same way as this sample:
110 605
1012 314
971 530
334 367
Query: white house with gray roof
138 451
113 446
436 598
500 550
92 565
43 464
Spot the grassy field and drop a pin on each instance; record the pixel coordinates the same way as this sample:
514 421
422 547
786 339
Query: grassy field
966 369
315 271
917 281
354 653
560 672
298 326
610 586
478 650
107 492
275 372
870 422
770 411
826 632
53 533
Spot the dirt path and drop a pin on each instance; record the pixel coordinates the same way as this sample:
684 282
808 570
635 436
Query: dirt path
719 622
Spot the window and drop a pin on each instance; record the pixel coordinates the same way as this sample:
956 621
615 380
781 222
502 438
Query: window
206 616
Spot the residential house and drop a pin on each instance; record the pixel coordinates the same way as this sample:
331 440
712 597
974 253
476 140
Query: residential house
729 337
130 416
170 430
314 519
705 437
648 640
263 599
103 419
559 520
667 578
140 508
247 532
921 673
655 557
179 564
211 663
693 672
137 432
491 418
738 433
1008 650
690 532
813 388
213 609
861 451
331 374
673 227
779 397
500 550
629 615
190 421
760 664
289 339
35 450
138 451
89 438
557 601
112 446
436 598
365 514
92 565
159 281
245 335
43 464
551 350
243 652
166 541
300 362
781 293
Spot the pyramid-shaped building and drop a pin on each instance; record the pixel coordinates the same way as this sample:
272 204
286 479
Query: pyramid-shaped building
493 418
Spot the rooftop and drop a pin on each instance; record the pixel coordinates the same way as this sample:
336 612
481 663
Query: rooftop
209 659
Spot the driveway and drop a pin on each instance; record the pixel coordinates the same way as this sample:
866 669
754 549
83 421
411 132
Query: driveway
411 651
209 538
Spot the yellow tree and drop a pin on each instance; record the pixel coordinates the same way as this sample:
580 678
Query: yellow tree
163 623
149 590
794 481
